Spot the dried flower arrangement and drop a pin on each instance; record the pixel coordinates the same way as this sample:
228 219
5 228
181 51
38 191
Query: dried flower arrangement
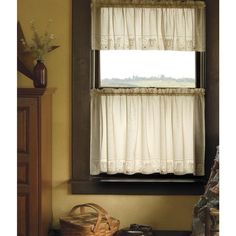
40 44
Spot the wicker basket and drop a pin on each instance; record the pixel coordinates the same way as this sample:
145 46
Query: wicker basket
96 223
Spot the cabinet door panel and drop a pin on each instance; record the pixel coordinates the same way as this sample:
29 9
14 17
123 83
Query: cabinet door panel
23 173
22 129
22 215
27 168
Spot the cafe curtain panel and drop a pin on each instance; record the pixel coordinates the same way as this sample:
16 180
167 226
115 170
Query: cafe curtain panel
147 130
148 25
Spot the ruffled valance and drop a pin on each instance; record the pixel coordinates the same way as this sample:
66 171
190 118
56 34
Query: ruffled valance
148 25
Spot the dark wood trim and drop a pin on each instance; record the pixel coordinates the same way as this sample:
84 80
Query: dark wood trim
80 88
212 82
200 70
81 181
22 68
136 188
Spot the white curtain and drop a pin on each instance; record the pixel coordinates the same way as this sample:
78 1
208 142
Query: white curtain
148 24
147 130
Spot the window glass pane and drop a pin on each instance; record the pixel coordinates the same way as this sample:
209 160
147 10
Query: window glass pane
134 68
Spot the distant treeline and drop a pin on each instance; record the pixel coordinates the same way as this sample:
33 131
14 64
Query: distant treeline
139 81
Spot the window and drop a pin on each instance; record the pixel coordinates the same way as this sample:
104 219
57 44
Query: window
82 182
139 128
137 68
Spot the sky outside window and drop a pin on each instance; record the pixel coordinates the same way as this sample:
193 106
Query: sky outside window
150 68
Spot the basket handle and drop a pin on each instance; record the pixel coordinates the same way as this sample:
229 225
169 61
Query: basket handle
101 212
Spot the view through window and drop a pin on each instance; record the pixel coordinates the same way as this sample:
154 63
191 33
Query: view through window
150 68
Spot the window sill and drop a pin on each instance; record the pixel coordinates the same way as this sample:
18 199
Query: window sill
145 180
137 186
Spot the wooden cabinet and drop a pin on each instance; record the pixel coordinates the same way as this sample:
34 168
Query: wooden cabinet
34 161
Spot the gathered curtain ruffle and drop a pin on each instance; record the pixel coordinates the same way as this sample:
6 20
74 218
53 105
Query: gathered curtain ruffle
149 3
147 91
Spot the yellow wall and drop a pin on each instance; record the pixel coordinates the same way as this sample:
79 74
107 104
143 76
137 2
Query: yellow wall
162 212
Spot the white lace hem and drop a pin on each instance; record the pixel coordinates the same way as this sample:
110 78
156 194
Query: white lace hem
177 167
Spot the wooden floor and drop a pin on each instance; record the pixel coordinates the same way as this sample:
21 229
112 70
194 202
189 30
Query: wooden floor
156 233
172 233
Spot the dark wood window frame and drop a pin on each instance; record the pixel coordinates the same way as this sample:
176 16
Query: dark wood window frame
82 182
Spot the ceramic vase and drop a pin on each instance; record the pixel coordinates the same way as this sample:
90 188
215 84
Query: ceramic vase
40 75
